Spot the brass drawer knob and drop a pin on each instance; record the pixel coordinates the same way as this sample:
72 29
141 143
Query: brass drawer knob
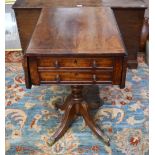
94 64
57 78
57 64
94 77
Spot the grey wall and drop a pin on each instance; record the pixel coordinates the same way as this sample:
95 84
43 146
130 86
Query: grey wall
11 32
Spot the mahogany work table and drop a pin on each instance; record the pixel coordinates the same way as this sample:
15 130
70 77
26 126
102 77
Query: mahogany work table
76 46
129 15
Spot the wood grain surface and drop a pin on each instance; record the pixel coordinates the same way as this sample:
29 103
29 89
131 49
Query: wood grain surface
62 63
129 15
76 31
74 3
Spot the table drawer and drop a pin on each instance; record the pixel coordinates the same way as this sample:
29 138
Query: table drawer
75 62
75 76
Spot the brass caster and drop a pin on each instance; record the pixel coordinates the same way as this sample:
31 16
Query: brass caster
50 141
106 140
107 143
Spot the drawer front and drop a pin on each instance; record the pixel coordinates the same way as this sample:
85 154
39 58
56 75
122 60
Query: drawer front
75 62
75 76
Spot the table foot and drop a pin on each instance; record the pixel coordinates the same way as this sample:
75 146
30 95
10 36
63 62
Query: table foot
50 141
89 121
73 106
67 119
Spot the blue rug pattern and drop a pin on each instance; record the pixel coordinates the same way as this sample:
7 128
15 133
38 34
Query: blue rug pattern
31 118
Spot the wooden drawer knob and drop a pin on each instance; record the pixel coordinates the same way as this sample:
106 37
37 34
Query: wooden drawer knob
57 64
94 64
57 78
75 62
94 77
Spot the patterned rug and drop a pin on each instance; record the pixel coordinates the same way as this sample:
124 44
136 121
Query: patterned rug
31 116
